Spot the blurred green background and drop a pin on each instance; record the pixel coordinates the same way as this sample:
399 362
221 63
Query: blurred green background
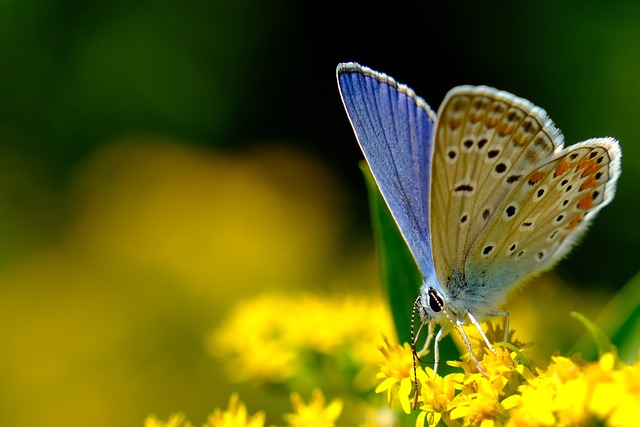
159 161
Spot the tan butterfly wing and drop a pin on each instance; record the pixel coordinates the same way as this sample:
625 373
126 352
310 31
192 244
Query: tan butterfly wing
508 199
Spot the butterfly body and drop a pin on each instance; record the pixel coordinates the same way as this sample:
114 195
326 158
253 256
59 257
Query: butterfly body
484 192
462 296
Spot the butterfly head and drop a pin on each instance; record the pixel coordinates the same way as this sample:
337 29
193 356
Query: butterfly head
431 305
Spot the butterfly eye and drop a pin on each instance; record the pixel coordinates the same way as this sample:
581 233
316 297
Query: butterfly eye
435 300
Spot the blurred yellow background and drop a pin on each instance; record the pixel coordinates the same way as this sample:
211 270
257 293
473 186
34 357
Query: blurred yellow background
160 162
109 323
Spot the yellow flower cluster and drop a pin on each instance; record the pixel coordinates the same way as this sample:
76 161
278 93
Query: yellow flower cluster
269 338
567 393
315 414
572 392
272 339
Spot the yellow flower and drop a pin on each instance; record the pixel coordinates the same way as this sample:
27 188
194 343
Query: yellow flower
437 396
235 416
265 339
561 370
315 414
254 339
480 399
570 402
467 398
616 395
396 373
501 366
572 393
494 331
481 407
533 408
175 420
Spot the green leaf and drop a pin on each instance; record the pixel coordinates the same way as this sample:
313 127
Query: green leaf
399 273
600 338
620 320
521 357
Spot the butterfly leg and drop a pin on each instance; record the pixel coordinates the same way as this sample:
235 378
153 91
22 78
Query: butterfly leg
436 350
465 338
427 342
504 314
479 328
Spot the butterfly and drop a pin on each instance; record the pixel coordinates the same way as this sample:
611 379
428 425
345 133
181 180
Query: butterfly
484 192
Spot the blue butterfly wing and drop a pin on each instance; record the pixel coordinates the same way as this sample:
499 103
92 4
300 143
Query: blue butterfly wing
394 128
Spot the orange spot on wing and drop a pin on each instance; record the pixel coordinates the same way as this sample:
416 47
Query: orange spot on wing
590 166
519 139
584 163
574 222
505 129
474 118
586 202
591 170
491 123
454 124
536 177
562 167
589 183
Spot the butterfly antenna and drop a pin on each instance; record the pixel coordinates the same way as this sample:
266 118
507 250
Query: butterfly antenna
414 338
